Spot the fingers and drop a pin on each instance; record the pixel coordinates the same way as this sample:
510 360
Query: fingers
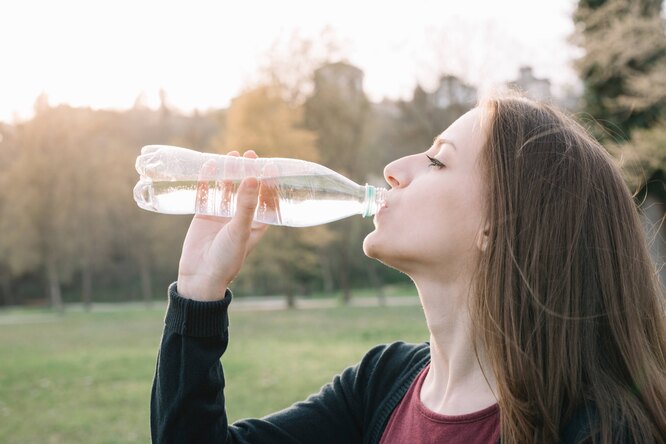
246 192
232 171
269 196
227 186
256 226
201 205
249 153
246 203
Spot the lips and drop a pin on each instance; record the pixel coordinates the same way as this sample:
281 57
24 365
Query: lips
381 210
383 207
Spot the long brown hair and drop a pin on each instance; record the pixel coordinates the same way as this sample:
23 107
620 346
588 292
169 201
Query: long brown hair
568 305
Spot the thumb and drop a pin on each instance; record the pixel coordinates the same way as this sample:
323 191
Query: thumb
246 204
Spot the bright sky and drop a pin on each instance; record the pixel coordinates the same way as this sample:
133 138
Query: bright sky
202 52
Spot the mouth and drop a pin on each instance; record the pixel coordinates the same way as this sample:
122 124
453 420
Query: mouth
382 209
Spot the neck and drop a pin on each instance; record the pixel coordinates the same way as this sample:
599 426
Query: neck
460 379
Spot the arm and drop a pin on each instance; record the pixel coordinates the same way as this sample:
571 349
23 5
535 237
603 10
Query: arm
187 403
188 390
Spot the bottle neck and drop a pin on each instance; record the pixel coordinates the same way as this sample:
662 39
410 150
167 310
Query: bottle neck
374 200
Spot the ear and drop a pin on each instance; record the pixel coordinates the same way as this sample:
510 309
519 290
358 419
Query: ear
482 238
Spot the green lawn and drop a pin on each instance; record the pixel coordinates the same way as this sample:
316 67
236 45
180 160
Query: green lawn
86 377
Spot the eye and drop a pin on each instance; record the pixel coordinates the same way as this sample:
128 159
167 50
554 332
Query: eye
435 163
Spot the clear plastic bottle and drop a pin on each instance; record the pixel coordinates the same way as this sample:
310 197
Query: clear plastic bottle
292 192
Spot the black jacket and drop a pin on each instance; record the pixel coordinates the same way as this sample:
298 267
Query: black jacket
187 404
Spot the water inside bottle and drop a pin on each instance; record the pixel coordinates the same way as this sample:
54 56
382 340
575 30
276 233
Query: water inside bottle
296 201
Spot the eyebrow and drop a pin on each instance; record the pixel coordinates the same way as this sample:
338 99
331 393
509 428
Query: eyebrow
441 141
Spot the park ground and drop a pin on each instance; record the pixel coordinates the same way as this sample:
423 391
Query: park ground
85 377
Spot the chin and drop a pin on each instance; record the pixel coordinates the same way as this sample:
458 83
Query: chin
369 247
374 249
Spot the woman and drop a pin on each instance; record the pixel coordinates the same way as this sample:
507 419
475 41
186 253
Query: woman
546 319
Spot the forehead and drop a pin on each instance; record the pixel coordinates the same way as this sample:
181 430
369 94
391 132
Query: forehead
468 132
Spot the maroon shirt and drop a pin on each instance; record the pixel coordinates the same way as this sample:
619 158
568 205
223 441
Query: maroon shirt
413 422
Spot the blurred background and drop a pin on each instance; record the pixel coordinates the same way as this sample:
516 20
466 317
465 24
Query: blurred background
351 85
354 85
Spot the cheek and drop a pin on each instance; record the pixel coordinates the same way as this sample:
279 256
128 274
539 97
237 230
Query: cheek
451 222
412 235
427 226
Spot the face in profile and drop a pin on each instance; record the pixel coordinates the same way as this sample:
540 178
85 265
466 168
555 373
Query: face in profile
434 214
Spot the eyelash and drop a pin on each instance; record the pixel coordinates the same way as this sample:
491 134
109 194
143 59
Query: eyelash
435 163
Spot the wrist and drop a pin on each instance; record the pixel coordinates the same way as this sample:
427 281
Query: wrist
193 318
199 291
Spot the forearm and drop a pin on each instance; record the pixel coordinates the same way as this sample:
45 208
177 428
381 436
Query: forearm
187 402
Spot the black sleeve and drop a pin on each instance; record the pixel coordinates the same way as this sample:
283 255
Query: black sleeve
187 402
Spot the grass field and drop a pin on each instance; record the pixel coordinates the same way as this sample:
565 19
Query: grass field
86 377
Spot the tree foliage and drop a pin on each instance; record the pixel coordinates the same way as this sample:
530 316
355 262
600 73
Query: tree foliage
262 120
624 74
643 158
624 63
70 230
338 112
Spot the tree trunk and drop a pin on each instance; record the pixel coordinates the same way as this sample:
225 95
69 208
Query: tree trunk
344 273
7 296
376 282
291 299
327 272
307 290
86 285
348 244
53 285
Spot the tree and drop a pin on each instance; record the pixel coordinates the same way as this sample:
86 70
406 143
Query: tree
262 120
150 241
624 65
338 111
643 158
43 201
624 74
290 63
643 162
8 155
66 208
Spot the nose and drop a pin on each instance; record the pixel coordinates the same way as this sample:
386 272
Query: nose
396 174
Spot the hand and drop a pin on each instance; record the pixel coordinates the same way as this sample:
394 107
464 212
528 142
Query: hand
216 247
